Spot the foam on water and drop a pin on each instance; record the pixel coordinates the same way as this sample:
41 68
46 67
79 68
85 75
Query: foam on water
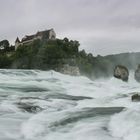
126 125
48 105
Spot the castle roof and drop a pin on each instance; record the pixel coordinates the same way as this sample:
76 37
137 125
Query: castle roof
28 37
17 40
41 34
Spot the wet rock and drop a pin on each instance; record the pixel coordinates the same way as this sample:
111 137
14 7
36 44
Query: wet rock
70 70
135 97
85 113
121 72
137 74
28 107
30 98
68 97
27 89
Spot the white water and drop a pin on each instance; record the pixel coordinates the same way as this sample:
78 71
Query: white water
38 105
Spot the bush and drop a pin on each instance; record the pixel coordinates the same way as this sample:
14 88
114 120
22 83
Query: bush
5 61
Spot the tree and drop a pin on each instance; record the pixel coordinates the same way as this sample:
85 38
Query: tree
5 45
4 61
66 40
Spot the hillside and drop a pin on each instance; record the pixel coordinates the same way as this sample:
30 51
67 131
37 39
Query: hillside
54 54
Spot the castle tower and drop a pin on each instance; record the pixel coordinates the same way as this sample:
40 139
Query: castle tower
17 43
52 34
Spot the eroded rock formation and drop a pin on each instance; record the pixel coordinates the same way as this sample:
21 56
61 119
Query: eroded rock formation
137 74
121 72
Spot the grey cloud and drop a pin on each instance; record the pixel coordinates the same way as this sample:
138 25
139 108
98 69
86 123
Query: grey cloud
101 26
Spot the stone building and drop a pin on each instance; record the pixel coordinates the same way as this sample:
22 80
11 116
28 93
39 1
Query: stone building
42 35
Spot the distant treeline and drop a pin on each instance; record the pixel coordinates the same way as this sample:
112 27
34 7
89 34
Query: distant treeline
6 47
53 54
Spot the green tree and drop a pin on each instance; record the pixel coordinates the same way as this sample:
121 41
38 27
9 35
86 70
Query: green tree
5 44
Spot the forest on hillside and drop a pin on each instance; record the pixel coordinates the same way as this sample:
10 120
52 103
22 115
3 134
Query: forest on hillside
53 54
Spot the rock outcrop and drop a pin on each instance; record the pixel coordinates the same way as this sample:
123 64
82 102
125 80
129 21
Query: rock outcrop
137 74
27 107
121 72
135 97
70 70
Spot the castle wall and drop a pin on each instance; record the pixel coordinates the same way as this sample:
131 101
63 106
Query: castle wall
52 36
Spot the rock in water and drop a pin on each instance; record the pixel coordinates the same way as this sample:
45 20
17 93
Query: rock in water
70 70
135 97
137 74
121 72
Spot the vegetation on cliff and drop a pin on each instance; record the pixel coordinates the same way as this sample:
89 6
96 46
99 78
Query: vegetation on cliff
45 54
53 54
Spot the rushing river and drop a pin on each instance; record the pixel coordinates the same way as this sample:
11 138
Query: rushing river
39 105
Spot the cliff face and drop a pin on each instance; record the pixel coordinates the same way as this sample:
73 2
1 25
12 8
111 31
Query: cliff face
121 72
70 70
64 56
59 55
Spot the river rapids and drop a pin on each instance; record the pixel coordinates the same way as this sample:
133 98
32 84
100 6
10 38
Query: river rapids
46 105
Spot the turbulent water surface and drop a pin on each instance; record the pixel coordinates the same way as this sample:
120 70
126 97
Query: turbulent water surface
38 105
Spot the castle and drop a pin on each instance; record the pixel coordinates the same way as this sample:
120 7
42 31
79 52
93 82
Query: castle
47 35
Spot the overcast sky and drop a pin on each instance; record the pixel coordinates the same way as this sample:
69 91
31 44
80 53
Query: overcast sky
101 26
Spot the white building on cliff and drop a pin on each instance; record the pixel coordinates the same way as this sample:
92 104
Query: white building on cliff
42 35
